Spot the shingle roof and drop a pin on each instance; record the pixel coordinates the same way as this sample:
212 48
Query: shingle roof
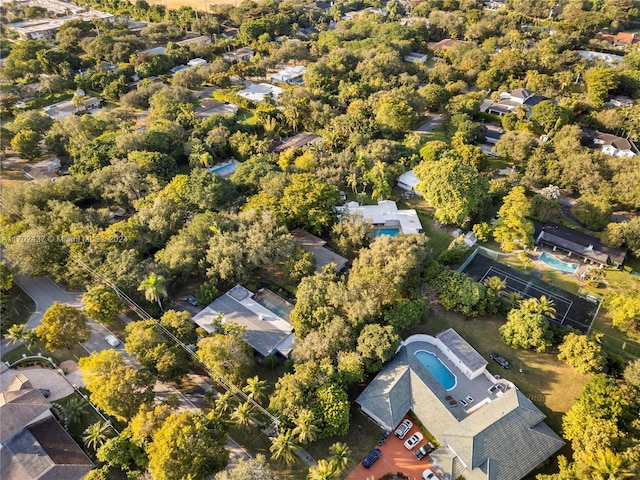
511 427
323 255
18 409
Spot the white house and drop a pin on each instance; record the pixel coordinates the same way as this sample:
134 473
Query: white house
240 55
385 214
290 75
415 57
612 145
197 62
510 101
409 181
256 92
607 58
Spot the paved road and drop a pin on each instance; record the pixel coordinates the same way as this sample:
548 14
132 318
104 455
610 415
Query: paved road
44 293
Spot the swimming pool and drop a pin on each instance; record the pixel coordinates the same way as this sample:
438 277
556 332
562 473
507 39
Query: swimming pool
392 232
224 170
437 368
558 264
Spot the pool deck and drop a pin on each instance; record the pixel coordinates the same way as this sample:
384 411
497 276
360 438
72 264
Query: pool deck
477 388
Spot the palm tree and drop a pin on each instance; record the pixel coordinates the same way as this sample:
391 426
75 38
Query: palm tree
608 465
20 333
546 307
242 415
306 428
255 389
513 299
95 435
496 284
225 403
284 447
340 454
154 288
73 410
325 470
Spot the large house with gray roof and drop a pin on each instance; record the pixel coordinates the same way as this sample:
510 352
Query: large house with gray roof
487 429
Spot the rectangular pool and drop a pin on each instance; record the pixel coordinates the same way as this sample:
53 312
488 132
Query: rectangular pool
390 231
224 170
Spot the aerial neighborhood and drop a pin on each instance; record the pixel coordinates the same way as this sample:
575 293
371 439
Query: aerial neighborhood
356 239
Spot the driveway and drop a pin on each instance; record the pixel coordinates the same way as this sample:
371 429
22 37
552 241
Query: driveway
433 122
45 378
395 458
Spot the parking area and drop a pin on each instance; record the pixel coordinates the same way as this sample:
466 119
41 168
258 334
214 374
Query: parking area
44 378
395 458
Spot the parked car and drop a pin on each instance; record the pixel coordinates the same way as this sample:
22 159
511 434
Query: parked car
429 475
404 428
371 458
112 340
496 389
408 195
424 450
343 196
192 300
503 362
494 219
414 440
45 393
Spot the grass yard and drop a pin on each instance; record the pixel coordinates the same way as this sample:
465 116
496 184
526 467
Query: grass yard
17 306
74 353
439 239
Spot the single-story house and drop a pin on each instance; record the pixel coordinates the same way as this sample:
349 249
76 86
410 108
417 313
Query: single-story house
257 92
610 144
487 428
264 329
46 169
385 215
588 247
297 141
194 41
409 181
229 32
493 133
416 57
494 6
196 62
621 101
290 75
323 255
240 55
33 445
307 32
209 107
155 51
607 58
621 39
357 13
63 109
510 101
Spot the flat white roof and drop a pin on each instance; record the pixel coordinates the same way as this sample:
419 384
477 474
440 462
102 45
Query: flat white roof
289 73
409 178
257 91
386 213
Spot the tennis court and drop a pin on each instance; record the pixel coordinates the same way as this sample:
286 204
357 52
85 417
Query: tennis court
571 310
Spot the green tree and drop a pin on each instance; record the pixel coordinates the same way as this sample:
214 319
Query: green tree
513 230
625 310
98 474
96 434
154 288
115 387
351 234
308 203
284 447
20 333
526 328
406 313
455 190
188 445
632 373
549 116
600 81
256 388
350 367
101 303
460 293
123 453
324 470
306 429
377 345
242 415
332 410
394 114
340 453
252 468
593 210
25 142
62 327
582 353
73 410
179 324
609 465
301 264
226 354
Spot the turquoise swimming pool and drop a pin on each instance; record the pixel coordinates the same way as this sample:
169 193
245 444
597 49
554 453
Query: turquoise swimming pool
391 231
555 262
225 170
437 369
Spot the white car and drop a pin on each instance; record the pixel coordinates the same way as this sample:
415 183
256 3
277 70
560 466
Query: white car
414 440
404 428
429 475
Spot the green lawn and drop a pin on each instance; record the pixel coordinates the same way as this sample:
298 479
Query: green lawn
439 239
17 306
74 353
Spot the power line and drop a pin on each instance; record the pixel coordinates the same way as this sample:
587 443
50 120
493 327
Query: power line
215 375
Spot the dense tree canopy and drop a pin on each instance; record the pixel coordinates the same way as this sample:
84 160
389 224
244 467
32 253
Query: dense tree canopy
62 327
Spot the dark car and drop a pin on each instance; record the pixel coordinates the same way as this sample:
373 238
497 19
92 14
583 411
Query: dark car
192 300
371 458
503 362
45 393
424 450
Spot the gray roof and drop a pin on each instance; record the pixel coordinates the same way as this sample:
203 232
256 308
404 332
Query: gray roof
261 334
511 427
316 245
461 349
18 409
44 451
503 439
